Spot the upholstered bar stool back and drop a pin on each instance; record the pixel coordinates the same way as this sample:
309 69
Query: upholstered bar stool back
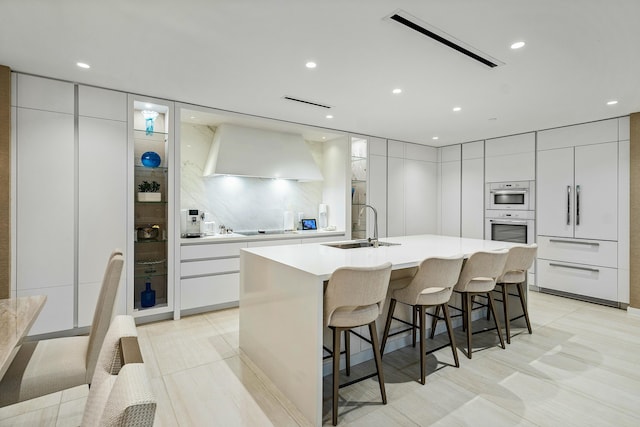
514 275
354 297
478 277
431 286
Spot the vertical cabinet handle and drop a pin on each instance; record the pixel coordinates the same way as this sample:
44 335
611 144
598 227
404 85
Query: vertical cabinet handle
568 205
577 205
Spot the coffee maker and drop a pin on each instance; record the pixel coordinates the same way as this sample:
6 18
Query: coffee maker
190 223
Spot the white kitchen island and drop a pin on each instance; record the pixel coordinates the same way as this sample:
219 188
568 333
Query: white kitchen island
281 298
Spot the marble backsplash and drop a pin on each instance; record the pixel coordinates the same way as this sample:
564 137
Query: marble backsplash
239 202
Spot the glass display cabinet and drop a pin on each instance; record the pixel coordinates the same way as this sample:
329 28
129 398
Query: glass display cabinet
150 255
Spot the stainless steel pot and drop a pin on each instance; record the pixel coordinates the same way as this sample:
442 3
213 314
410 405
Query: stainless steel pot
148 232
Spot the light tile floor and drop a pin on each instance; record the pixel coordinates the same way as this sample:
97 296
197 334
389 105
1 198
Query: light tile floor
580 367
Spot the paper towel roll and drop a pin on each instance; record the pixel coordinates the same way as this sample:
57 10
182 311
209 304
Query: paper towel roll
288 221
322 215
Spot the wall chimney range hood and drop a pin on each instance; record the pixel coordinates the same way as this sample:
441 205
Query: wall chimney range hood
259 153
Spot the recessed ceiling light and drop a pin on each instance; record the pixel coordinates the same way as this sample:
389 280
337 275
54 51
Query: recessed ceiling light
324 137
397 91
193 117
435 137
147 105
456 109
517 45
311 64
83 65
329 116
612 102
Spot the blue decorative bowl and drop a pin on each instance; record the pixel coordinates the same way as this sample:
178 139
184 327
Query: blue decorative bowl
151 159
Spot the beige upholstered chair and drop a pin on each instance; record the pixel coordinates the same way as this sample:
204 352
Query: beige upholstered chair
354 297
478 277
520 260
431 286
47 366
120 393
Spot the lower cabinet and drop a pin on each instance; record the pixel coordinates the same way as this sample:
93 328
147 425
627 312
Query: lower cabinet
579 279
586 268
209 290
210 272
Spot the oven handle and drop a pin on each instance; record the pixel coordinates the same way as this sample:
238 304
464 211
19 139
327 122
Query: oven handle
501 221
508 191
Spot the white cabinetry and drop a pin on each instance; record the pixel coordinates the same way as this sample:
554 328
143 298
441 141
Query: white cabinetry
472 190
209 274
450 190
578 192
511 158
412 189
45 198
70 195
577 187
377 184
102 183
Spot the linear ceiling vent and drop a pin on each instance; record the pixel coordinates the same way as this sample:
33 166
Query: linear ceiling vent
304 101
410 21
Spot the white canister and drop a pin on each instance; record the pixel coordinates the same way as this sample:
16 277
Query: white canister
288 221
322 215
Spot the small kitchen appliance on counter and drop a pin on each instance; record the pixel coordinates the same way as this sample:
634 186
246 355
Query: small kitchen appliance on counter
191 222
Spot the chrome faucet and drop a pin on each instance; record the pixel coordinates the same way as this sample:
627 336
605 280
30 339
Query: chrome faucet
375 225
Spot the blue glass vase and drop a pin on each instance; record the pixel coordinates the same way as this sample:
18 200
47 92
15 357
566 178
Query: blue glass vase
148 296
150 159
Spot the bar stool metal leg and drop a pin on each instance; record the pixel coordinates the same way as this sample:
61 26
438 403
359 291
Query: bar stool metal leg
493 310
524 305
452 338
336 374
378 359
434 321
347 351
422 344
387 326
505 306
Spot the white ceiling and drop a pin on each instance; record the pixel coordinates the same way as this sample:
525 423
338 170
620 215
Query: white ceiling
245 56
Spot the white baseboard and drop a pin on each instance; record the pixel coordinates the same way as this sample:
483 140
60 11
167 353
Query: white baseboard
633 311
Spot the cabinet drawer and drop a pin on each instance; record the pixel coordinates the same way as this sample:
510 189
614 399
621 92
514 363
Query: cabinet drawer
212 266
279 242
211 290
213 250
593 252
590 281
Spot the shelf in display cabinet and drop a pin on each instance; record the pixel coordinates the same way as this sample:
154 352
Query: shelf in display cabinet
159 304
357 158
150 203
151 241
358 181
139 133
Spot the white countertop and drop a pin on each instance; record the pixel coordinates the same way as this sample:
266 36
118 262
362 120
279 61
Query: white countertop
235 237
321 260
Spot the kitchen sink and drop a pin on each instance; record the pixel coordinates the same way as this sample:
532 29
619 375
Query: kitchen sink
358 244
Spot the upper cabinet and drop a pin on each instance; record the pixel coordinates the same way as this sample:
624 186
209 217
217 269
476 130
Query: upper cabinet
511 158
450 190
412 189
472 190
